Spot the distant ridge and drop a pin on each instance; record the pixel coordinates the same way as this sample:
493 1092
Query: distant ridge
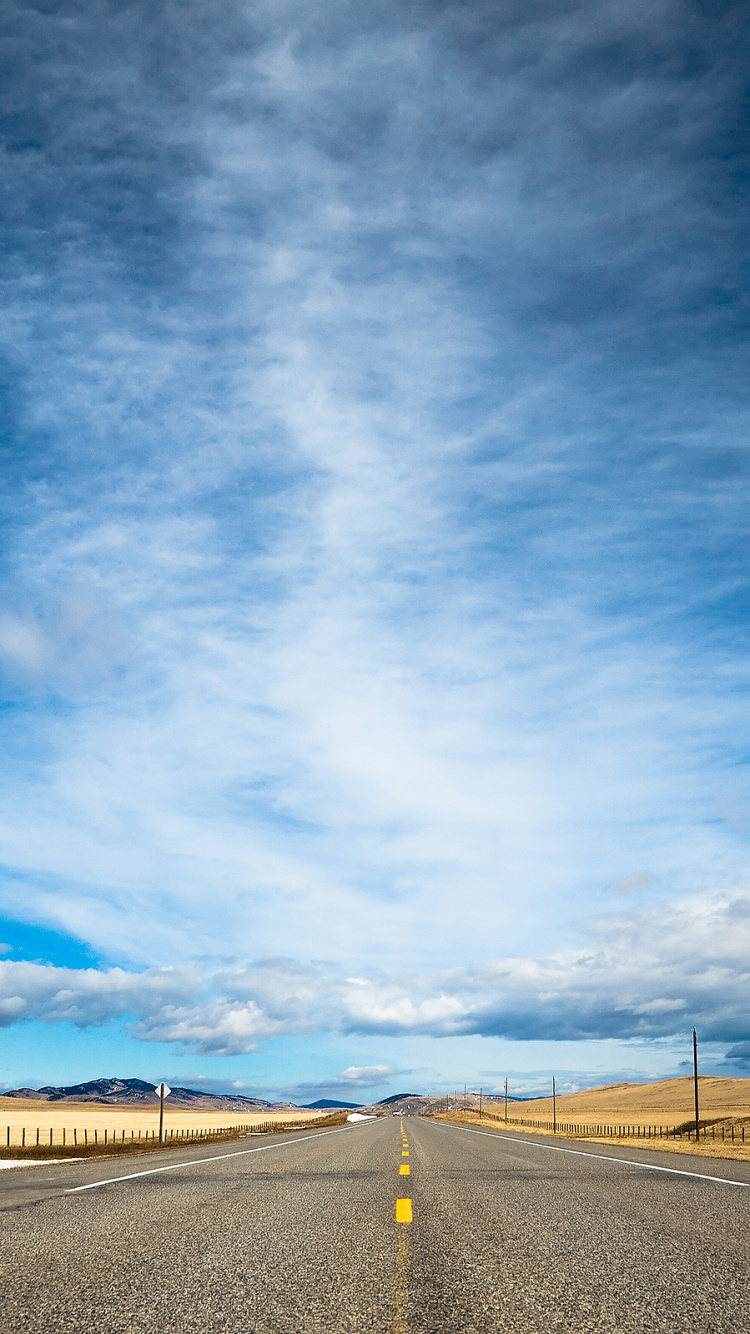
137 1093
324 1103
396 1097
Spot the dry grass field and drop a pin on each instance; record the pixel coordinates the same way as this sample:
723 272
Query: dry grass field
18 1113
670 1102
723 1103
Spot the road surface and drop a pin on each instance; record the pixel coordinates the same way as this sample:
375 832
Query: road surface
298 1234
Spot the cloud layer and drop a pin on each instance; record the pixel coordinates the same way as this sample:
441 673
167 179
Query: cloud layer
646 975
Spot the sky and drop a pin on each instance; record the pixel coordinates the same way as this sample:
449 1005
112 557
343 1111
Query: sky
374 571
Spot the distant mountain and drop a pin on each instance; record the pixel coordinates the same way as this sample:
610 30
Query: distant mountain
512 1097
324 1103
96 1090
396 1097
137 1093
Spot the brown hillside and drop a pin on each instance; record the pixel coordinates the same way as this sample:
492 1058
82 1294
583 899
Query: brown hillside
669 1101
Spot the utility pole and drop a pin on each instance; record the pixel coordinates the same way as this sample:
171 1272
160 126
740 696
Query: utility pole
480 1103
506 1100
695 1080
554 1107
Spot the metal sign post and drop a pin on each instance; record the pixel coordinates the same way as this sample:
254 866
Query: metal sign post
164 1091
554 1107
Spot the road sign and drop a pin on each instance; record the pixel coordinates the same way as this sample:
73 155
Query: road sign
164 1091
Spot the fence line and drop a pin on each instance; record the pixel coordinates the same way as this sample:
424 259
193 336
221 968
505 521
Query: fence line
705 1130
16 1137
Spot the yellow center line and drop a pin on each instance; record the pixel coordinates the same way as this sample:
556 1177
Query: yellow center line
401 1296
403 1218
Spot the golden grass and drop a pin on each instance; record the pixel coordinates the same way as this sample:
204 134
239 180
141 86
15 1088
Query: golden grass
670 1102
723 1102
706 1147
56 1116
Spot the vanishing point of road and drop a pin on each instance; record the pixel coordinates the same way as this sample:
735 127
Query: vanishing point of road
327 1232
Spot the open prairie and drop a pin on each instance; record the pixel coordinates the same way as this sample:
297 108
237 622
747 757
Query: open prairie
670 1102
628 1110
18 1113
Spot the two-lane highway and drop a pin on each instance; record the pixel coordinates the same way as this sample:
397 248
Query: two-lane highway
380 1228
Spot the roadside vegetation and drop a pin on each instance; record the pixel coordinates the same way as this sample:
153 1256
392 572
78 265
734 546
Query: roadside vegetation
118 1142
641 1116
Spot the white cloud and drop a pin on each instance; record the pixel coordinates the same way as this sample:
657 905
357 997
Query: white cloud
645 976
216 1028
87 996
364 1076
354 1077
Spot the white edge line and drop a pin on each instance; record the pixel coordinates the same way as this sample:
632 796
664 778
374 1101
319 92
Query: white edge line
193 1162
601 1157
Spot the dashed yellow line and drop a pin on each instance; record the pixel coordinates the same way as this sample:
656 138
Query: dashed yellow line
403 1216
401 1295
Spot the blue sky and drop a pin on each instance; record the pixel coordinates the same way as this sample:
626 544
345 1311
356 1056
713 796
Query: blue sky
373 617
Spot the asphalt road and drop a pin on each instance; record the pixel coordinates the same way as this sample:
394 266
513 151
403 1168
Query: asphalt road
299 1233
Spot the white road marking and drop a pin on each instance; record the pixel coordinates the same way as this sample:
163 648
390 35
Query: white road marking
35 1162
193 1162
603 1157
